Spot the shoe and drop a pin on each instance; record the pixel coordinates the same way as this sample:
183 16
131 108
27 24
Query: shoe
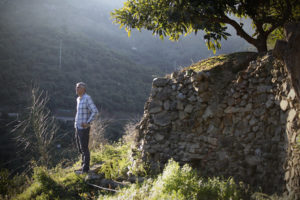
78 172
81 171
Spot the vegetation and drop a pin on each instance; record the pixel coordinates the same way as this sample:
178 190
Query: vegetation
210 63
35 134
175 18
175 181
180 183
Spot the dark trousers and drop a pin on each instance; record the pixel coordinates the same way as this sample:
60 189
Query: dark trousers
82 142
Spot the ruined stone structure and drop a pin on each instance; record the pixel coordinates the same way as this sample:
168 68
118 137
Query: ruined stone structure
224 123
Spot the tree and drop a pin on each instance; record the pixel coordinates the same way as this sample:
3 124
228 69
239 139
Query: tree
173 18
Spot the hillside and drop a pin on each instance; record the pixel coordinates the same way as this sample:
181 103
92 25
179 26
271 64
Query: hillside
29 54
117 69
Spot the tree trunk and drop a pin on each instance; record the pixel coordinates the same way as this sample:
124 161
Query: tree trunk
261 44
262 47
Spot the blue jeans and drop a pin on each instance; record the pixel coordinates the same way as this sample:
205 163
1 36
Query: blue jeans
82 142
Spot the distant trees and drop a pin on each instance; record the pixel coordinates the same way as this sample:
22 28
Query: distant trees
173 18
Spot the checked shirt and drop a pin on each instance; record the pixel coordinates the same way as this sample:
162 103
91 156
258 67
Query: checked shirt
86 111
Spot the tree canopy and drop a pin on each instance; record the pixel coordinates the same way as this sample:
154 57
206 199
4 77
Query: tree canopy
173 18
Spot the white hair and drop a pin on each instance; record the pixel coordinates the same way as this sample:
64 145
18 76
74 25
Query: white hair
81 84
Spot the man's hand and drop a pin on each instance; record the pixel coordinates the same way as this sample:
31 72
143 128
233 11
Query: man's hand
85 125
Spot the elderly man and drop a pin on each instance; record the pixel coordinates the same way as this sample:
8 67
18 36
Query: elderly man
86 113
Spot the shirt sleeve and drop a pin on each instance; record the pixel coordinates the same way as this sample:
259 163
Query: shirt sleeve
92 108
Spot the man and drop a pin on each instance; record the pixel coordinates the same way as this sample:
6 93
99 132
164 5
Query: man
86 113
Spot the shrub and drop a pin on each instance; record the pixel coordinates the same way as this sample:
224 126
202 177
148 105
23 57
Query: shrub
115 158
180 183
10 185
35 134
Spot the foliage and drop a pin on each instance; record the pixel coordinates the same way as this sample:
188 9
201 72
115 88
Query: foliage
175 18
10 185
131 133
117 161
97 131
180 183
49 184
35 134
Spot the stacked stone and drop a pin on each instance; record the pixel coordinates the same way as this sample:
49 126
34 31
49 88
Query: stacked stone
176 105
289 104
236 130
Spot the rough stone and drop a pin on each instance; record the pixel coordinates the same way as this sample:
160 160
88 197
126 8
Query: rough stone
208 113
167 105
284 104
160 82
155 106
159 137
188 108
291 115
162 119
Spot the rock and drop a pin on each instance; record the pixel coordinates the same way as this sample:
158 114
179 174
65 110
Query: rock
164 94
253 160
192 98
292 94
291 115
182 115
180 96
160 82
284 104
93 176
188 108
208 113
155 106
179 105
231 109
158 137
212 141
167 105
252 122
162 119
269 103
264 88
230 101
212 130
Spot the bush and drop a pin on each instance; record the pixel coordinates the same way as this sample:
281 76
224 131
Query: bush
180 183
117 161
11 185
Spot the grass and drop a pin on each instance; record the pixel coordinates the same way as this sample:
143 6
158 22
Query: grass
218 61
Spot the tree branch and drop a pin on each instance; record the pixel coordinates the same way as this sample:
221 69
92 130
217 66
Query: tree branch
239 30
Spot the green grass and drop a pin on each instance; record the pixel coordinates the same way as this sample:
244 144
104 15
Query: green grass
218 61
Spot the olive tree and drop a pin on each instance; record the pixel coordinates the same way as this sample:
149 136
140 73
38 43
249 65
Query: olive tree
173 18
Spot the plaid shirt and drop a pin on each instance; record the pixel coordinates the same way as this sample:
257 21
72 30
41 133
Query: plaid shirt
86 111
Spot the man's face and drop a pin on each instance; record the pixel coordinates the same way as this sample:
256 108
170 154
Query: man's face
80 90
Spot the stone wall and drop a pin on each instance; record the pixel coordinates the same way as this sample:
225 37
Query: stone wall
289 52
243 125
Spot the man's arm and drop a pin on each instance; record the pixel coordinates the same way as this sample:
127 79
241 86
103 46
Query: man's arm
93 109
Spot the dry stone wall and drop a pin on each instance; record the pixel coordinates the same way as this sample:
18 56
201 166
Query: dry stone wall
244 125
